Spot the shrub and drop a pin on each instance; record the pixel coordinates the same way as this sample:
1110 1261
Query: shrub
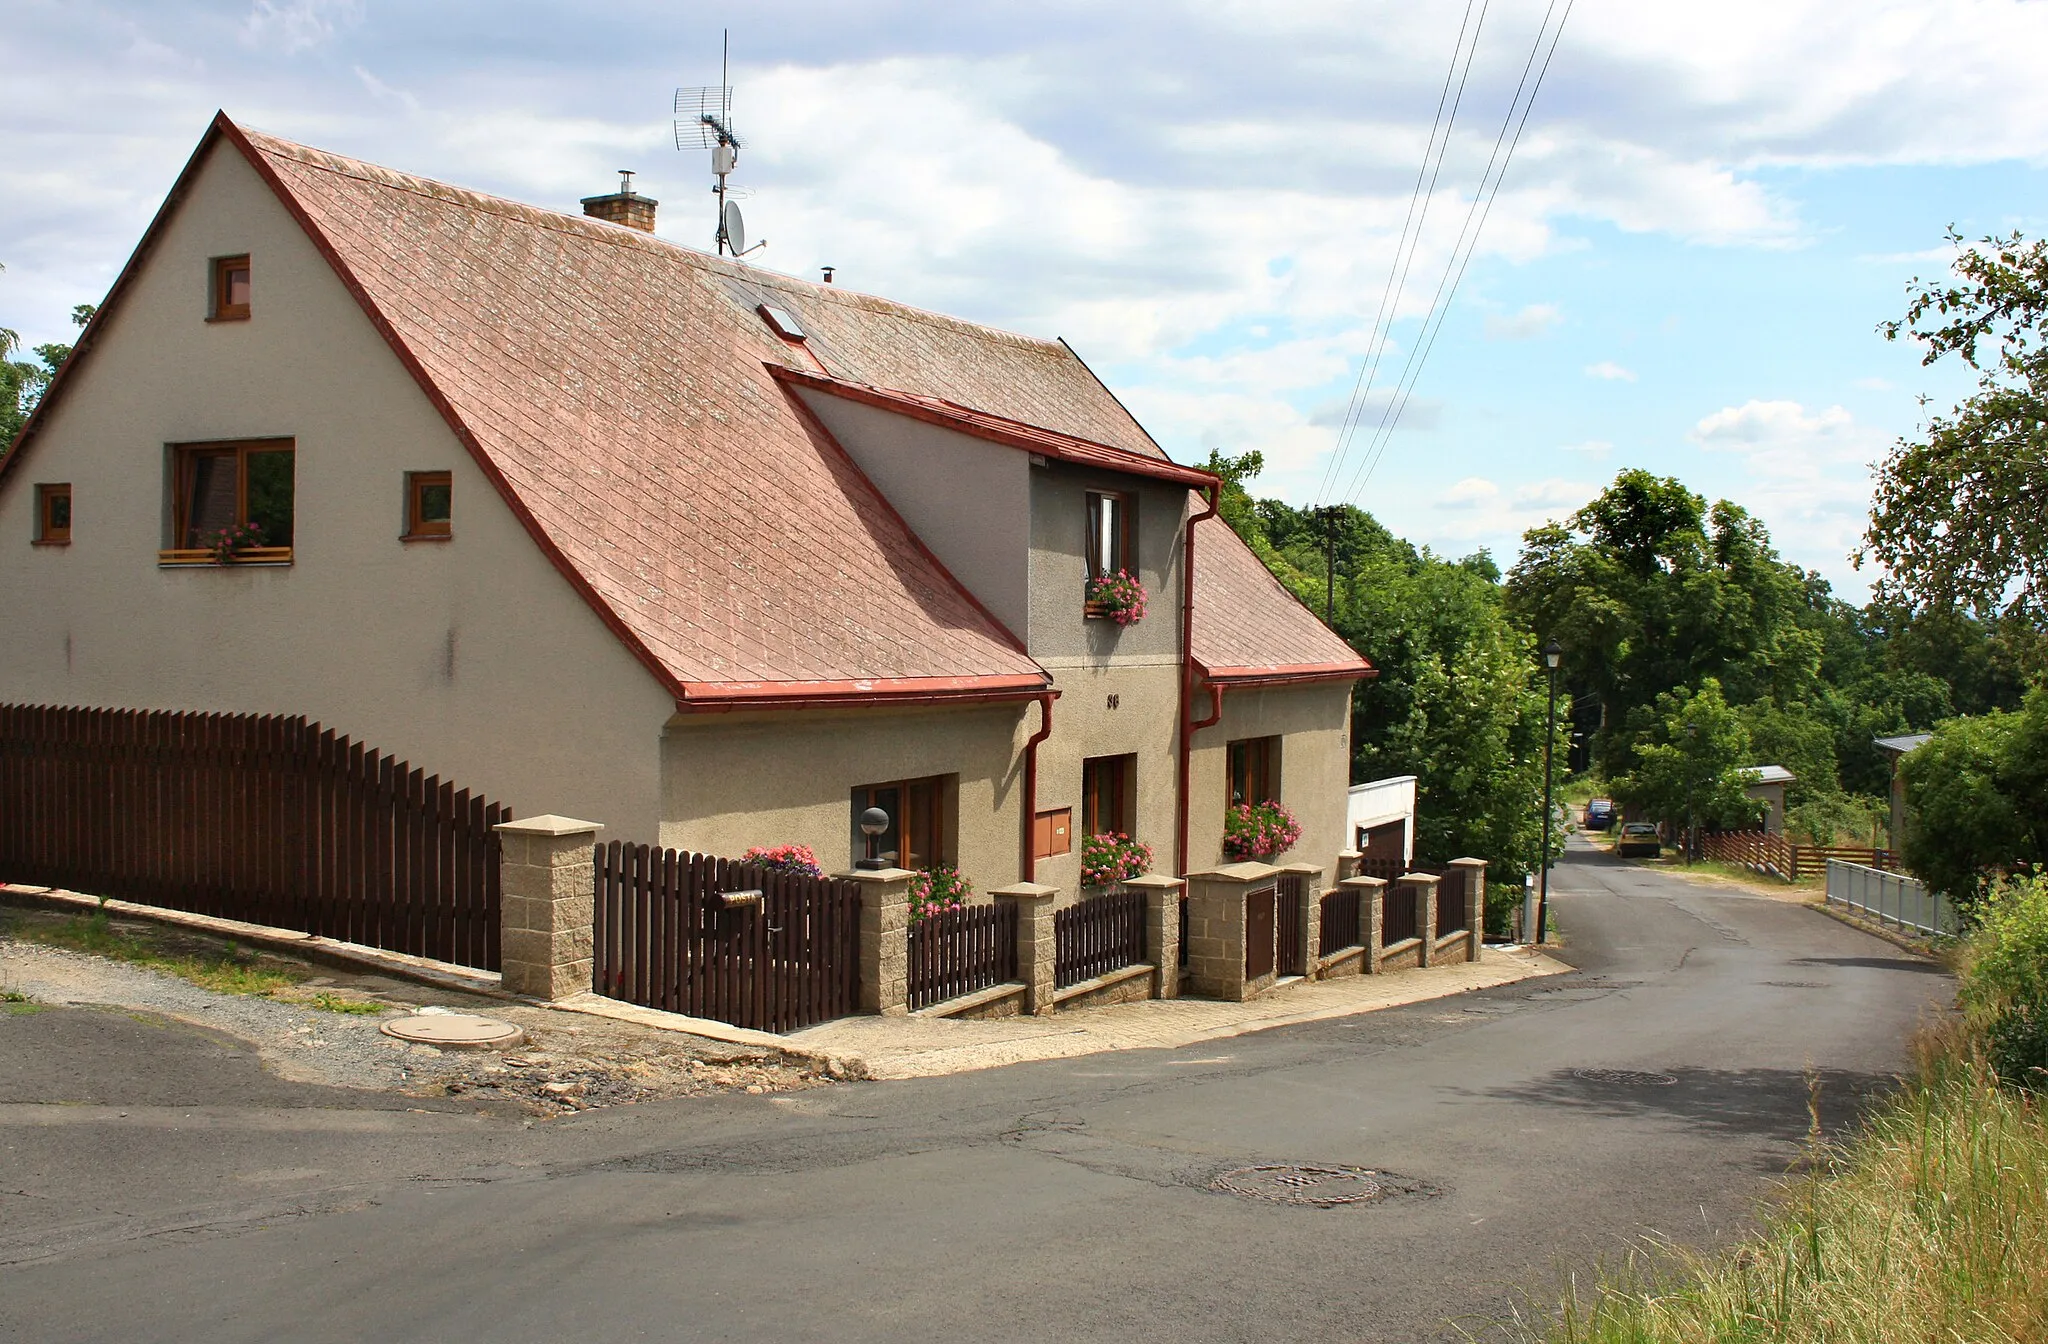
2005 979
1113 858
935 890
1258 830
1121 597
794 859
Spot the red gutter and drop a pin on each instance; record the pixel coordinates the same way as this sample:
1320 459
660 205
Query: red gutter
992 693
1187 675
1029 867
1235 677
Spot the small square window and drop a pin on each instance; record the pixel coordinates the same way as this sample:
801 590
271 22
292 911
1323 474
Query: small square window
53 515
230 289
429 504
1255 770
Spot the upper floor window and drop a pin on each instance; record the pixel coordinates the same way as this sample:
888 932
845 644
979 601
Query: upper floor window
230 289
1255 770
231 501
53 515
1109 534
429 504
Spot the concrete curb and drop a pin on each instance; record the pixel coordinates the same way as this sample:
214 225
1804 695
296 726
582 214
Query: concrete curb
1905 942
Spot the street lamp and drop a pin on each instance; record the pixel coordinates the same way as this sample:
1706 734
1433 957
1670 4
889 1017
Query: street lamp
1553 654
872 823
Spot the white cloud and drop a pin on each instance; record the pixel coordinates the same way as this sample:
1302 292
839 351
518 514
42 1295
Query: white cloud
294 25
1610 371
1806 473
1479 510
1527 324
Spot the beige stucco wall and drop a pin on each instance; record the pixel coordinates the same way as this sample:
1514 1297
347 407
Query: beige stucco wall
733 781
473 658
1059 632
1315 753
1143 723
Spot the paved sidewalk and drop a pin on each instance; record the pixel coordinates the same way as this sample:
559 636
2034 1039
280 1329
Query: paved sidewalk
923 1047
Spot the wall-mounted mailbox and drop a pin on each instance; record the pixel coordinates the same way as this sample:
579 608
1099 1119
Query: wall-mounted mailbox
1052 833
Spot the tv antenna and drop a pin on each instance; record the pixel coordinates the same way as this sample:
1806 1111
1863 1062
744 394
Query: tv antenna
704 121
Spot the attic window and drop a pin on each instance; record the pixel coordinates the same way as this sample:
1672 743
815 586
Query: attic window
53 515
783 322
230 289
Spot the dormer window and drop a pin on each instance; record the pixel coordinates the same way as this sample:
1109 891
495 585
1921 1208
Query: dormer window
1109 534
230 289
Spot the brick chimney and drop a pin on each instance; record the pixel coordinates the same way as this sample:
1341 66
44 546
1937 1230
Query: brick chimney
623 206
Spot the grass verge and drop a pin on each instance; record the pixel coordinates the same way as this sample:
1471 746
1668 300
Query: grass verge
230 970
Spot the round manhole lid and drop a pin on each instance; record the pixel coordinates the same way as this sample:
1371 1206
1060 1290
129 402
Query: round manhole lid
455 1031
1292 1183
1625 1077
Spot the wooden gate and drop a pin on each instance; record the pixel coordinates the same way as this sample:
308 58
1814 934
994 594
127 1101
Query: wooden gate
734 942
1293 949
261 818
1258 931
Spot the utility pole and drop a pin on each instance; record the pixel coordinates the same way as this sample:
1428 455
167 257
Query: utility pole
1553 654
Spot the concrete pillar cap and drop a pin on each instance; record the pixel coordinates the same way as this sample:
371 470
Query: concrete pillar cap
1154 881
1026 891
549 824
1362 881
1240 872
876 875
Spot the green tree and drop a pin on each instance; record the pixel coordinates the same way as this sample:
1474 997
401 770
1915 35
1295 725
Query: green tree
1956 521
22 383
1977 794
1690 752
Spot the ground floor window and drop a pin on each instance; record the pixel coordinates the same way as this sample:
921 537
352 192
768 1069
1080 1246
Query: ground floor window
1255 770
918 833
1107 788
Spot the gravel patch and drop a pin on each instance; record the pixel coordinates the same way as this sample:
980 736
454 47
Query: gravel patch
570 1062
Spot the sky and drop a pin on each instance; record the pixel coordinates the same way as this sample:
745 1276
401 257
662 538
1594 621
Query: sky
1709 208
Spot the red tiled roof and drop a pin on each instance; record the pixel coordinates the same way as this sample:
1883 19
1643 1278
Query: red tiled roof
1249 628
1000 429
617 385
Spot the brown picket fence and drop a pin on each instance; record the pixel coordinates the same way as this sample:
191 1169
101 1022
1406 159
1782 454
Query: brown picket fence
1450 902
1292 946
1341 927
1772 853
716 938
267 819
1098 935
959 952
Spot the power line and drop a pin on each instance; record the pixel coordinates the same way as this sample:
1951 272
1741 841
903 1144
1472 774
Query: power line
1404 252
1463 249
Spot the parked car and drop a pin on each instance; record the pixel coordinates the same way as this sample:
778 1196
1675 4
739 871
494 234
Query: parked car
1600 814
1639 839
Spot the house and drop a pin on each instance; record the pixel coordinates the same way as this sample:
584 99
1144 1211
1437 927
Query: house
1767 786
597 525
1898 748
1380 819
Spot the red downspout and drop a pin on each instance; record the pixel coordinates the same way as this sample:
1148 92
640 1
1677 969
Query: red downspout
1187 681
1030 864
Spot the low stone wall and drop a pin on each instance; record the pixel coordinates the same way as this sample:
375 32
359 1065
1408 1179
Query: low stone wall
1349 961
1402 956
1132 984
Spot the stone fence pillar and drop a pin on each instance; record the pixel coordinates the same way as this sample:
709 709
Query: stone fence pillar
1162 930
1311 919
547 879
1422 886
1372 896
884 939
1216 931
1348 863
1031 906
1475 901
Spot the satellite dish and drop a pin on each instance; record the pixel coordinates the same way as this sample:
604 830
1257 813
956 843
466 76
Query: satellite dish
735 228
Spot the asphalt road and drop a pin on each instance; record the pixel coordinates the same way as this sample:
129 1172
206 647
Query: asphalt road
155 1184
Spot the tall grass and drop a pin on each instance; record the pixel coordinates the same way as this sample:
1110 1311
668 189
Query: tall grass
1930 1223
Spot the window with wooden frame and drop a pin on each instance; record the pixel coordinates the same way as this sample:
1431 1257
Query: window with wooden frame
1109 534
1255 770
231 501
53 515
917 835
230 290
429 500
1107 794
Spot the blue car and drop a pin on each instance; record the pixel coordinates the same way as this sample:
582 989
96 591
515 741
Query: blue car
1600 814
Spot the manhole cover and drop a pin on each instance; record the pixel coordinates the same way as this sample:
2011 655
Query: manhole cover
1289 1183
455 1031
1625 1077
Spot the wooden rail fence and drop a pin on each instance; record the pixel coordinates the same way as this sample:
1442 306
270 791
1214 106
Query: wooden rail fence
672 934
1771 852
1399 919
1098 935
959 952
1291 950
1450 902
260 818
